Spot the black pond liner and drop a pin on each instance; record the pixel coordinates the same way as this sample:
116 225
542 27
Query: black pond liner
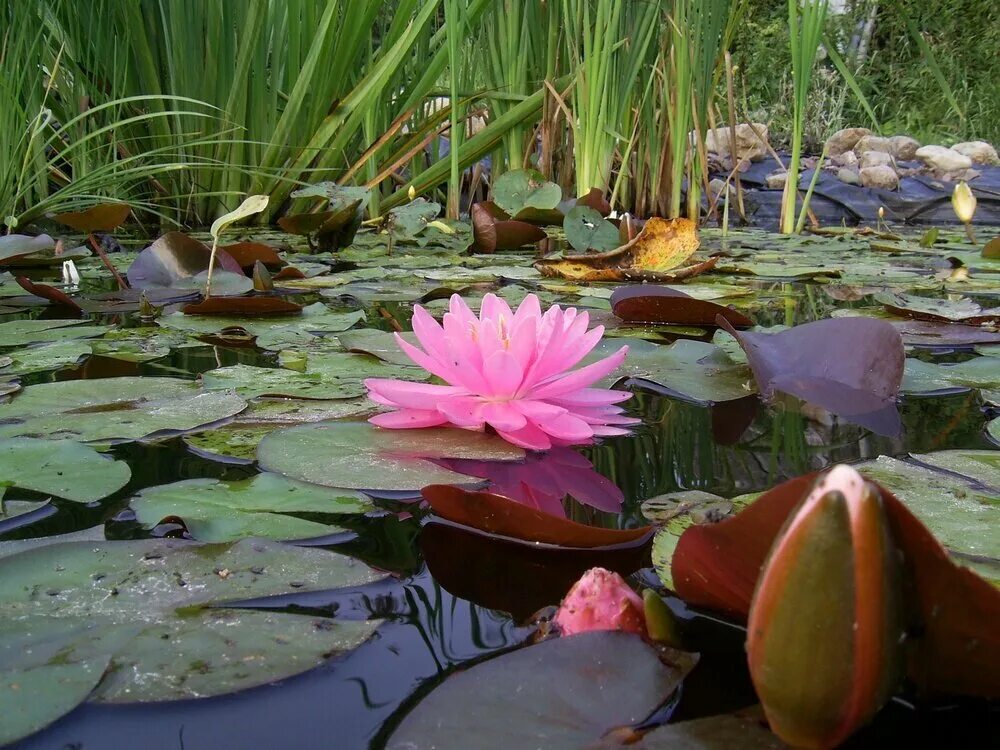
920 199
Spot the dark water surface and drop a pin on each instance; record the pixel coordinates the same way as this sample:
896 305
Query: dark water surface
447 602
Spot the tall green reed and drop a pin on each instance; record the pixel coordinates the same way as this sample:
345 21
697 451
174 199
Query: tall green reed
805 24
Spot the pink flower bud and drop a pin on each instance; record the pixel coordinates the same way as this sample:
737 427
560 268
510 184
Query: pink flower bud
601 600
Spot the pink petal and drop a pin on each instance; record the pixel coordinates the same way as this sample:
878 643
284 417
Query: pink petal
567 427
500 415
411 395
463 411
494 308
538 410
580 378
422 359
503 374
529 437
528 309
591 397
408 419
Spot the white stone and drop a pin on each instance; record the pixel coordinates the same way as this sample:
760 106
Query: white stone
844 140
876 159
943 159
749 145
776 180
873 143
903 147
848 176
980 152
879 177
846 159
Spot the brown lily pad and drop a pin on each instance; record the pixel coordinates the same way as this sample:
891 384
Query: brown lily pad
500 516
954 645
492 232
255 306
52 294
656 251
103 218
927 334
992 248
248 253
510 576
662 304
851 367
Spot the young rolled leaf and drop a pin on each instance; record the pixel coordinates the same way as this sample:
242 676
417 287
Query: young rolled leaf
824 636
252 205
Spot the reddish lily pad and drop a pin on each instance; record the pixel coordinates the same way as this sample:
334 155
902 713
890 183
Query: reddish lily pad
492 234
500 516
511 576
254 306
248 253
662 304
53 294
852 367
105 217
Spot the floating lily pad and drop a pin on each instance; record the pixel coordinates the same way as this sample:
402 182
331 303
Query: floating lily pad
249 382
929 377
185 649
525 188
962 509
937 310
21 332
273 332
46 357
217 511
174 260
48 666
114 409
140 344
692 370
381 344
586 229
62 468
746 730
569 691
19 245
359 456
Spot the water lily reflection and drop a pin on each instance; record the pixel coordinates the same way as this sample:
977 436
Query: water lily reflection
544 479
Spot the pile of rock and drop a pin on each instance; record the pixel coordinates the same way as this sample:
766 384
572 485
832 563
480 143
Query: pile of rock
860 158
855 156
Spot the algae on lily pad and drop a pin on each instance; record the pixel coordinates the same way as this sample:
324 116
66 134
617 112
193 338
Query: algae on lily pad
218 511
22 332
62 468
186 646
360 456
692 370
249 381
568 691
114 409
43 357
275 332
956 494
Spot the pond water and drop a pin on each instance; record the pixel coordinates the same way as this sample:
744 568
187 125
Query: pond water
455 597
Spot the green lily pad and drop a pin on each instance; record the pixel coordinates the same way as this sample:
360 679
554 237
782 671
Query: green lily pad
381 344
140 344
114 409
231 443
22 332
993 430
587 230
957 496
525 188
184 648
249 381
566 693
46 357
359 456
691 370
275 332
50 666
298 411
62 468
954 311
927 377
217 511
410 220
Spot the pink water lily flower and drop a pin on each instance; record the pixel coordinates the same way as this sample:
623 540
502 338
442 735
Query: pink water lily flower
509 370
